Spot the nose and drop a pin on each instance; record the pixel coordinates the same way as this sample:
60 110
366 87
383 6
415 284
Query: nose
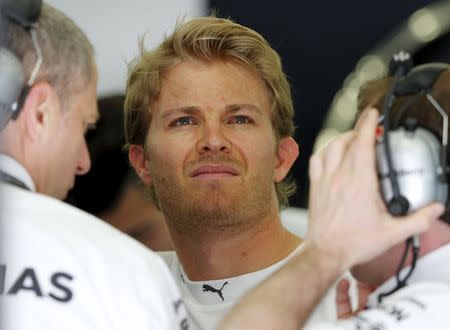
84 162
213 140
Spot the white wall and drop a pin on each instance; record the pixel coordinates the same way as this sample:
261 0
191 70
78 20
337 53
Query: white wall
295 220
114 26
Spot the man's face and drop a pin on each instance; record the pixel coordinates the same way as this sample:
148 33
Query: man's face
67 147
211 149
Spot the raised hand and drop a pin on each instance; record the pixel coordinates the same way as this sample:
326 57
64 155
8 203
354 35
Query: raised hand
349 220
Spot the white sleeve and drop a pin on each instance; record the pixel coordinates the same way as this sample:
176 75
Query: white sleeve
63 269
421 306
173 313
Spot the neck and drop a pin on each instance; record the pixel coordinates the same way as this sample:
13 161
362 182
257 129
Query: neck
17 142
223 254
15 146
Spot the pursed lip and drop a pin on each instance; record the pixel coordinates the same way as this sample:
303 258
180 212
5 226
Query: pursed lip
214 170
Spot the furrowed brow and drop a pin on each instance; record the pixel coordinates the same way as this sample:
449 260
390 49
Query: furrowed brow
188 110
238 107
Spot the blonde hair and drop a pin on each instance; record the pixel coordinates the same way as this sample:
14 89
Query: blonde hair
206 39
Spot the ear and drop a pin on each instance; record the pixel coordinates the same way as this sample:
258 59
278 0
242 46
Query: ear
39 104
137 158
286 155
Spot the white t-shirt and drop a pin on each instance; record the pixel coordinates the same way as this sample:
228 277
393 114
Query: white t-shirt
422 304
61 268
208 302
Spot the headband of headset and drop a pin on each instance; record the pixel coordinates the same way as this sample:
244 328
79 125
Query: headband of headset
420 78
22 12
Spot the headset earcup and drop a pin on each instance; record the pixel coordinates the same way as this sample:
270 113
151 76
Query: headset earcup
13 91
417 166
12 79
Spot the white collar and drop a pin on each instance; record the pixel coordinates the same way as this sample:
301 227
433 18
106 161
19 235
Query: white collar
434 266
234 288
13 168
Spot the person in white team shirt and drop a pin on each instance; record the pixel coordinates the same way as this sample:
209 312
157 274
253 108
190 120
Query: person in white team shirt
209 126
351 228
61 268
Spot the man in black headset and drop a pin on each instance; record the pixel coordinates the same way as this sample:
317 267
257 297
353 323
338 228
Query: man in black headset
412 291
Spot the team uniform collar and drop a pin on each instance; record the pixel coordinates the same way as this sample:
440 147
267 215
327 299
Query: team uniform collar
12 168
230 289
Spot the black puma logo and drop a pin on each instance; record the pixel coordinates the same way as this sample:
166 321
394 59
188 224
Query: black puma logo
207 287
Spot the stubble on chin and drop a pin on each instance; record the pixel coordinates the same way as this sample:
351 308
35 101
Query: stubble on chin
214 209
200 211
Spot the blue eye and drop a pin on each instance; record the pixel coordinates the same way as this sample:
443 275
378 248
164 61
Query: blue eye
183 121
240 120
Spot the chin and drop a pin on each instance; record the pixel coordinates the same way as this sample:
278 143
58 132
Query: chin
62 195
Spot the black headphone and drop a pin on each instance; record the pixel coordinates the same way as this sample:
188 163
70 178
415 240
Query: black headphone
13 87
411 161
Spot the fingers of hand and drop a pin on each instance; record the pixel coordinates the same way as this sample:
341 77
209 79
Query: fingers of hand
360 141
351 148
335 152
416 223
362 117
343 302
315 167
329 159
342 291
386 231
364 290
362 151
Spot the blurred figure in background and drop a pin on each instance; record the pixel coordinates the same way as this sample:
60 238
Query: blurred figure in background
111 190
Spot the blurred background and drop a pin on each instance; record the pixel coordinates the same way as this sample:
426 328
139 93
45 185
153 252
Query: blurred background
328 48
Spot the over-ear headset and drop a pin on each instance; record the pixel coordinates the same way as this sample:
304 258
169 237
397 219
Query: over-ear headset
13 88
411 161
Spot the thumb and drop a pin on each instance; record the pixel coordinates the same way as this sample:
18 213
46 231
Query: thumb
343 302
417 222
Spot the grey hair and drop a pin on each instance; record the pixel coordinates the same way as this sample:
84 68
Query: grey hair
67 53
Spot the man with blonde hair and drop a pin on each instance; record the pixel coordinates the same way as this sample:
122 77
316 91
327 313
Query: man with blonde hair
209 125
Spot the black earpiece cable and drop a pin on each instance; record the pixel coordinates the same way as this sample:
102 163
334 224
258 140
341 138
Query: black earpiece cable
400 65
413 244
387 105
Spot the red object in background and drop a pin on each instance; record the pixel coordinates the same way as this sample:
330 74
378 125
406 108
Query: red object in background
379 132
